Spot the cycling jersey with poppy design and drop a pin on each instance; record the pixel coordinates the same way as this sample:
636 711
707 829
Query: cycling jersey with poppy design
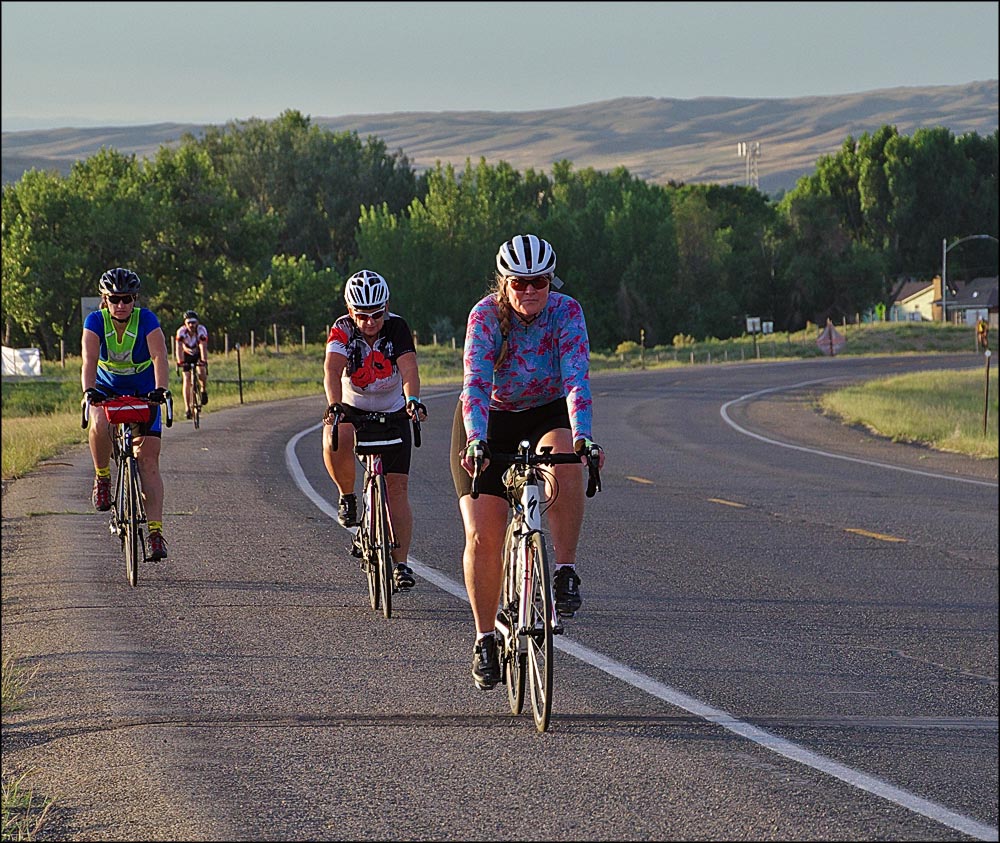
371 379
190 340
546 360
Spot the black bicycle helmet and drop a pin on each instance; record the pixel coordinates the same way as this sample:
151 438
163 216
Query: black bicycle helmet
191 315
119 281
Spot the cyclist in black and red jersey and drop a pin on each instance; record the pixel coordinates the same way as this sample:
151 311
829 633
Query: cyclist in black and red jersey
191 352
371 365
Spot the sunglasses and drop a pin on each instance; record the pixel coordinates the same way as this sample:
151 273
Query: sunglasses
120 299
375 315
539 282
191 323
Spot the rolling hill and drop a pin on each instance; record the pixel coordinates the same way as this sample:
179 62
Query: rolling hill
656 139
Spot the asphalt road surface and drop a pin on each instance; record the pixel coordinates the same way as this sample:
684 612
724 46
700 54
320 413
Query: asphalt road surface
789 632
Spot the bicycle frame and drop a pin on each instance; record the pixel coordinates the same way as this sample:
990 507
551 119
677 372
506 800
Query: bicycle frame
128 510
526 630
376 535
375 538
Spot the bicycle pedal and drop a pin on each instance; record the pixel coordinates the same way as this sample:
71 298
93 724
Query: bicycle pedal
558 629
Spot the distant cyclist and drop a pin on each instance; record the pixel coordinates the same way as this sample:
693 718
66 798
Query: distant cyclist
191 351
125 353
527 376
371 365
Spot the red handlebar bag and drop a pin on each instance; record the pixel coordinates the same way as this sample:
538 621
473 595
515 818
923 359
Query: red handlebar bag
126 409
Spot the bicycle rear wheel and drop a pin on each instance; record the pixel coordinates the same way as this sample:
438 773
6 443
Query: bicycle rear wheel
134 544
514 656
196 414
539 635
383 546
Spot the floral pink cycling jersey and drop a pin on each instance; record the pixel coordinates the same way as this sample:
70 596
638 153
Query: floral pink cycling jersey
546 360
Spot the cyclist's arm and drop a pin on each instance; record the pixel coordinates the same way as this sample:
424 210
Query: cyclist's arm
410 374
203 347
91 354
574 362
158 354
333 371
178 349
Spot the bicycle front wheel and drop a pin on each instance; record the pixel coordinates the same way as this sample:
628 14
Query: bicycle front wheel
539 632
134 544
514 656
383 546
368 540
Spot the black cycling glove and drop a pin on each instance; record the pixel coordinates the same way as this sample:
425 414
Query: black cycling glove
94 395
157 396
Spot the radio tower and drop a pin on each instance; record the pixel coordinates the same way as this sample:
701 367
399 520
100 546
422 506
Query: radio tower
750 152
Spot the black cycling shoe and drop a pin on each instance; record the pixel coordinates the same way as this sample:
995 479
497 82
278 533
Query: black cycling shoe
486 663
567 592
204 397
347 512
402 577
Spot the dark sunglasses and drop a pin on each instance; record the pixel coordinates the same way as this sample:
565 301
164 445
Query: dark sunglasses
539 282
375 315
120 299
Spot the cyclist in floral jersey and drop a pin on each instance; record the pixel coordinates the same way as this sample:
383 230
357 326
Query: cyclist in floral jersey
371 365
527 376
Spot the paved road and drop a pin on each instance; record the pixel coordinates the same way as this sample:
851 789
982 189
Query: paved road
789 632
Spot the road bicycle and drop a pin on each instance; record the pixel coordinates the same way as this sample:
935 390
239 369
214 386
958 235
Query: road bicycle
195 389
128 511
375 538
527 618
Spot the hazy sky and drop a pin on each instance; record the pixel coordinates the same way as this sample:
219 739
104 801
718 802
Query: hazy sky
81 64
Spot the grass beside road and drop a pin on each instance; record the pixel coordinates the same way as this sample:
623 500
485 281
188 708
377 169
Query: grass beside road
944 410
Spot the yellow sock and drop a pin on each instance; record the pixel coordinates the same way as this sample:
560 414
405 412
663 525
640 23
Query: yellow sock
156 526
104 472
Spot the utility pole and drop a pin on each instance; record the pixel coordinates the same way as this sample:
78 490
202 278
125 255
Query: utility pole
750 152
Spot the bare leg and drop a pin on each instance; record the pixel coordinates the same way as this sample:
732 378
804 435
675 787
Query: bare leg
485 521
341 464
565 516
147 450
397 486
100 441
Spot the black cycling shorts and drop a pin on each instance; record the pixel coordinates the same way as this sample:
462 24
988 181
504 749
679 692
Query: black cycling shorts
396 458
504 432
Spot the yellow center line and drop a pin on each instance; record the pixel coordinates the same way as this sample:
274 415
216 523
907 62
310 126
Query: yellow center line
639 480
880 536
728 503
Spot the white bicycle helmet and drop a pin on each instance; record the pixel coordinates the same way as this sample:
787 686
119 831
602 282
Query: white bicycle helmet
366 289
526 255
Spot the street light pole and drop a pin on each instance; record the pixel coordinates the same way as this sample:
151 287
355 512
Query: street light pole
945 248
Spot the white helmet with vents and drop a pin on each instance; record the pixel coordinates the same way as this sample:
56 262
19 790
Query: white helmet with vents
525 255
366 289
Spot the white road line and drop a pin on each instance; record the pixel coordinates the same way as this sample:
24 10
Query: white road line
723 411
765 739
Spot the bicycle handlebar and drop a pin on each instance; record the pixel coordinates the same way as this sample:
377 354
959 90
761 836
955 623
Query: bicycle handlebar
86 404
352 415
545 457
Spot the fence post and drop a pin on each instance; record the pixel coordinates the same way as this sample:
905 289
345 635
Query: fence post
62 353
226 339
274 327
253 345
303 338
